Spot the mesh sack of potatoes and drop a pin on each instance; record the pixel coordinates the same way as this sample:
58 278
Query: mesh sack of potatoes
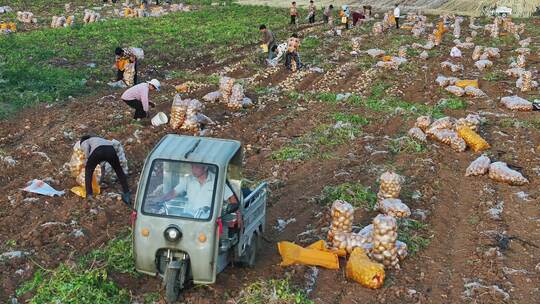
521 61
479 166
339 239
402 51
377 28
237 96
483 64
225 86
443 123
424 55
452 67
375 52
523 51
474 92
525 42
477 52
212 96
356 43
517 103
191 123
457 143
390 185
473 140
455 90
402 251
121 155
394 207
384 241
417 134
77 161
499 171
178 111
423 122
342 218
515 72
493 52
442 135
472 121
355 240
525 82
443 81
81 177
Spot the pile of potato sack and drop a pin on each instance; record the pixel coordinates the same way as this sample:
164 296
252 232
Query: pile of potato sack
378 240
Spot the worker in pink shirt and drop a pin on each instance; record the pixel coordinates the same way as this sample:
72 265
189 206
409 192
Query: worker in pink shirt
136 97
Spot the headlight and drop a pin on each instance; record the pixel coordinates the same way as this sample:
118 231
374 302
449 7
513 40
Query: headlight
172 234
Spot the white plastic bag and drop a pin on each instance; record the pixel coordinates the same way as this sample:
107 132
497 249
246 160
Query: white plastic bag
137 52
483 64
212 96
455 52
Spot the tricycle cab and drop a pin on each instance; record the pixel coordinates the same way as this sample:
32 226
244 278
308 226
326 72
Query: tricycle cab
179 208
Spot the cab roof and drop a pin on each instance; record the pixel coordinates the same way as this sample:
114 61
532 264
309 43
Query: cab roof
195 149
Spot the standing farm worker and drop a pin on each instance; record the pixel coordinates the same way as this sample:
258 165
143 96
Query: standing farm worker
327 13
293 47
268 39
96 151
345 15
397 13
312 10
293 13
137 97
281 50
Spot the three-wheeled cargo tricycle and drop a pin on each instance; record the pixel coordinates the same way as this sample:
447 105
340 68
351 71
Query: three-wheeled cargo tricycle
192 216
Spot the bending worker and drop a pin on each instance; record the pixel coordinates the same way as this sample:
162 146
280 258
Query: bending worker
98 150
136 97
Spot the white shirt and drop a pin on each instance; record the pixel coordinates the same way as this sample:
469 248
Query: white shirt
198 195
281 49
396 12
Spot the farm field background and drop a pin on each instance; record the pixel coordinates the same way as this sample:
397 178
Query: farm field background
309 140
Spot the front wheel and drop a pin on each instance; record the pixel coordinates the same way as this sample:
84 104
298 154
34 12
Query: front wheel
172 288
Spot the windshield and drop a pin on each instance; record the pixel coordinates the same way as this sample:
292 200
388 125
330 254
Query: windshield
181 189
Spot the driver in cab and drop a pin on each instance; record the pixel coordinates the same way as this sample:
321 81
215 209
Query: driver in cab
199 188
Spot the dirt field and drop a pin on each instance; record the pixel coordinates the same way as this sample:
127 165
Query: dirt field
463 261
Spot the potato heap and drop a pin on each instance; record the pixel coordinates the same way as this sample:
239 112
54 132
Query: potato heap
394 207
479 166
384 241
342 218
390 186
500 172
178 112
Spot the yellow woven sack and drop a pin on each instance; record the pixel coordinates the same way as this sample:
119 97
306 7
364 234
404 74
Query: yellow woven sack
264 47
293 254
467 83
387 58
321 246
81 191
362 270
473 140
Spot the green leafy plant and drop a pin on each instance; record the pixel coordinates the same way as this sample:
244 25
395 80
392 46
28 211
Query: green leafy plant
412 233
405 144
272 291
354 193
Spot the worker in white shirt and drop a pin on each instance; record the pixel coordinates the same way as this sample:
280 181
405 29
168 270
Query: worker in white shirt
281 50
397 13
199 189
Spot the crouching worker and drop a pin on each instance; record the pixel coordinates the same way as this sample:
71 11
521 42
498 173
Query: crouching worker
136 97
280 50
293 47
96 151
